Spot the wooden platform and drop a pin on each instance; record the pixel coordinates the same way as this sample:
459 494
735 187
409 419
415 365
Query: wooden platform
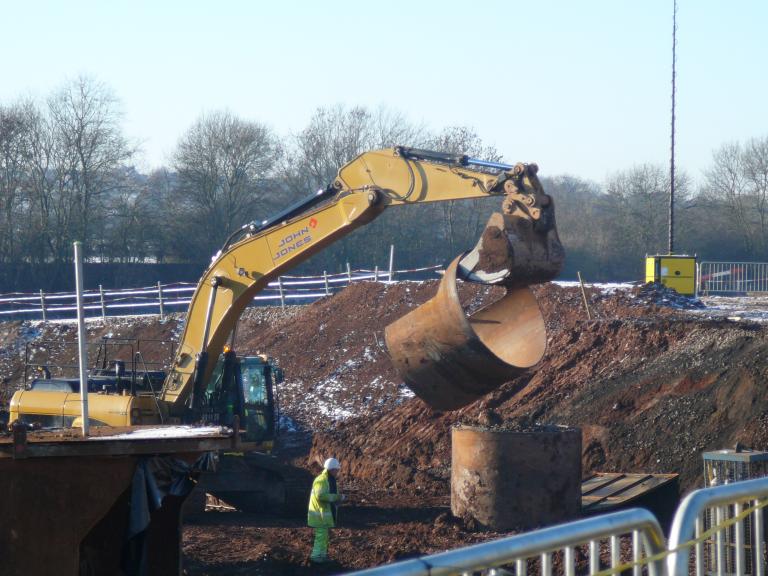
611 491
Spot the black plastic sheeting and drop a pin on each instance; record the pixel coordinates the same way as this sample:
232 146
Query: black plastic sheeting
154 479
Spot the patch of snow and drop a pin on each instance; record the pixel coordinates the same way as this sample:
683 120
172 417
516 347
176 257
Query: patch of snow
125 320
404 392
734 308
606 287
376 382
168 432
287 424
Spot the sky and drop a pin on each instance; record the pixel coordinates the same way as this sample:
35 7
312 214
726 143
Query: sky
581 88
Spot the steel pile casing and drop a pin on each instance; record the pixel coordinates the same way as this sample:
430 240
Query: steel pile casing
515 480
450 360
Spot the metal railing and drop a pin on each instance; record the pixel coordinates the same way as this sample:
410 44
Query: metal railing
717 531
732 278
161 298
723 526
541 547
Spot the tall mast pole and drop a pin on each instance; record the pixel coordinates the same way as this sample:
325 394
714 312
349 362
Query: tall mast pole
671 244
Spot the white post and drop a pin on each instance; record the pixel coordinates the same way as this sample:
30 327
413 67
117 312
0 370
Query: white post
160 299
349 274
697 280
325 279
42 303
103 308
83 356
391 262
375 273
280 287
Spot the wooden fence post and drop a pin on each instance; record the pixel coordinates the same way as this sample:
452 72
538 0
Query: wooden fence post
391 262
584 295
103 308
280 287
160 299
42 303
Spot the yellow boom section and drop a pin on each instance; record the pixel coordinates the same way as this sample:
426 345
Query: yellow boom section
366 186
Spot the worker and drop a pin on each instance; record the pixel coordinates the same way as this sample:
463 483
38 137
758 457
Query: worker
322 508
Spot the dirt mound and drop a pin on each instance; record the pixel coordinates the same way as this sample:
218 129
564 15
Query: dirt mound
651 390
333 352
651 384
656 293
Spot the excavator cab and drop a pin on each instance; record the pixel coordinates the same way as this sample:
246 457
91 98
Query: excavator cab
244 387
258 378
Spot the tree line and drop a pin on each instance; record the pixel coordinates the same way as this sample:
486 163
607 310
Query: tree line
67 172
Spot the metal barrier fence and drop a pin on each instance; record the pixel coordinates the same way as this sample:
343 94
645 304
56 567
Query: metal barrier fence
723 527
734 278
717 531
159 299
540 549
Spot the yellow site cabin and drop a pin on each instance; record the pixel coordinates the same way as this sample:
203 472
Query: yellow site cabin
677 272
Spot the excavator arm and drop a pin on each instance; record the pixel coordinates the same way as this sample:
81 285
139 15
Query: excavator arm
519 247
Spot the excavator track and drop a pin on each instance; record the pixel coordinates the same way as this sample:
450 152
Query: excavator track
256 482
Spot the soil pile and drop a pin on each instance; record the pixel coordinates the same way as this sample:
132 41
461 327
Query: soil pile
656 293
651 384
333 352
650 387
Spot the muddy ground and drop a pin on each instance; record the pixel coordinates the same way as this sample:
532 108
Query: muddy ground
651 386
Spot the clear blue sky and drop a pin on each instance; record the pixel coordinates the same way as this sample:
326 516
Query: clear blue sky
579 87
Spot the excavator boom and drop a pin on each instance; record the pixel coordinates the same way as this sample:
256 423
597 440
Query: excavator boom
446 358
519 247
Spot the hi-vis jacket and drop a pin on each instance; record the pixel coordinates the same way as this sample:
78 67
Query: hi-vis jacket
320 514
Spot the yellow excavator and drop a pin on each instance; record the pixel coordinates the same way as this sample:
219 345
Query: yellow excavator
448 359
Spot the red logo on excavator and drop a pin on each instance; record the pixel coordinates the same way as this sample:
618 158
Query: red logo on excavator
313 223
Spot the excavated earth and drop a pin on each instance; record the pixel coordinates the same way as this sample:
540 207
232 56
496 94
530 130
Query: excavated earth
650 383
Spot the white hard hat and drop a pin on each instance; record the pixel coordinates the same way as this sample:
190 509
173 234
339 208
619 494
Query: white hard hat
332 464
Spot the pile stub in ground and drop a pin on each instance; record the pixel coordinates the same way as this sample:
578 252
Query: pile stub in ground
516 479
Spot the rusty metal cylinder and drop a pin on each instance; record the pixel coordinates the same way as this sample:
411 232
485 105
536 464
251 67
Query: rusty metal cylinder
450 360
516 480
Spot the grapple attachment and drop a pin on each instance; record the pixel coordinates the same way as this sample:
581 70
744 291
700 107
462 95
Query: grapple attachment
450 359
520 245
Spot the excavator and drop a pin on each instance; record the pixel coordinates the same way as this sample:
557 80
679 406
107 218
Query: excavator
448 358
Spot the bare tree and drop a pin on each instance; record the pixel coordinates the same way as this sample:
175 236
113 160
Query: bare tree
84 117
463 230
738 181
223 164
581 222
50 195
635 211
335 135
130 221
755 166
13 169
